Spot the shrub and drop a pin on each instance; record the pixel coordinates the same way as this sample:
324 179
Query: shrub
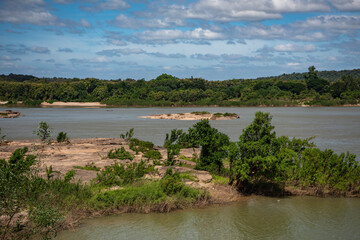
89 166
43 132
118 174
120 153
62 137
152 154
140 146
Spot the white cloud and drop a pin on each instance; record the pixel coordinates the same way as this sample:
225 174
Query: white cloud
198 34
106 5
123 21
346 5
240 10
293 64
289 47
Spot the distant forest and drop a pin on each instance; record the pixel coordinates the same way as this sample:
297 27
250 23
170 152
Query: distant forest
325 88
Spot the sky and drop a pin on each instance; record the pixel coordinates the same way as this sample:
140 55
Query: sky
211 39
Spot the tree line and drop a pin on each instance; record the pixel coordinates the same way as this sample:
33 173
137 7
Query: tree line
168 90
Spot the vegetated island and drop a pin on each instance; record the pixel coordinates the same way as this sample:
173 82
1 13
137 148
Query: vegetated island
9 114
194 116
313 88
48 185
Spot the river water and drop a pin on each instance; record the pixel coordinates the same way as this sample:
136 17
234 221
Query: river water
337 128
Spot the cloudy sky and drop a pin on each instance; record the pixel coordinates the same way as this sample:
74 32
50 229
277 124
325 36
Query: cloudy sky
213 39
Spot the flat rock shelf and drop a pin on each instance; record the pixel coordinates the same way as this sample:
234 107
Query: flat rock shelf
194 116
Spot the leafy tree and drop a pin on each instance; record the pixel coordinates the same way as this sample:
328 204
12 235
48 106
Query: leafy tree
43 132
260 159
314 82
213 145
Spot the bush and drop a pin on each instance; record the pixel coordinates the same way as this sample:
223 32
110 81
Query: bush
140 146
43 132
62 137
118 174
152 154
120 153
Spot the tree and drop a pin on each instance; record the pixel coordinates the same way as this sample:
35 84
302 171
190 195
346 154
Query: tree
213 145
259 158
44 132
314 82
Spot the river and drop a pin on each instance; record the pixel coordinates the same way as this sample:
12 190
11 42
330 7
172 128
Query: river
337 128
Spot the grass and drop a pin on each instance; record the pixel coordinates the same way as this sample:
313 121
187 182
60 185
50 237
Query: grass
220 180
200 113
89 167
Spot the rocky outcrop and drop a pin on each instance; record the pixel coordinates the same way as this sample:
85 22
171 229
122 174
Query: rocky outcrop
9 114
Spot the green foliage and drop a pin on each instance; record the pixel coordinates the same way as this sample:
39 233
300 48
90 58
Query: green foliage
167 90
171 184
89 166
140 146
46 220
43 132
50 172
325 169
314 82
212 143
262 163
20 190
120 153
200 113
62 137
128 135
152 154
118 174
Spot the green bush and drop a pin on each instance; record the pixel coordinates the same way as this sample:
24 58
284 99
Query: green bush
120 153
43 132
152 154
140 146
62 137
119 174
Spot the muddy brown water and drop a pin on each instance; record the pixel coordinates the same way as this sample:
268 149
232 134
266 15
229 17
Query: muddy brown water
337 128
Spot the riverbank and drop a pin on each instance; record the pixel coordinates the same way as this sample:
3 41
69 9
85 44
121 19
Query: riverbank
94 190
99 104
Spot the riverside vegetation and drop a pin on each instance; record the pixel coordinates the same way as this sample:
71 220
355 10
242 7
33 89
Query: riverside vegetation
259 163
311 88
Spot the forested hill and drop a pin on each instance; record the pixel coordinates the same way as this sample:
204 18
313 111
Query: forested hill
331 76
167 90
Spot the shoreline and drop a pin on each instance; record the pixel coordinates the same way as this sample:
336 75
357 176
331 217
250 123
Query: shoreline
99 104
81 151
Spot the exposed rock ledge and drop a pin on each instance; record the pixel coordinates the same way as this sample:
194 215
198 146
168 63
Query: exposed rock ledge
9 114
194 116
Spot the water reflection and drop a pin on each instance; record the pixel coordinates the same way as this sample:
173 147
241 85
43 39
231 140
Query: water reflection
252 218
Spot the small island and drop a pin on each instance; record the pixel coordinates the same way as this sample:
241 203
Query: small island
194 116
9 114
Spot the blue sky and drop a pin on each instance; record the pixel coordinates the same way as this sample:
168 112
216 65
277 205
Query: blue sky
213 39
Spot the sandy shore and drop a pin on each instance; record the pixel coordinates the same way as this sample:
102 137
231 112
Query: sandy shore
74 104
190 116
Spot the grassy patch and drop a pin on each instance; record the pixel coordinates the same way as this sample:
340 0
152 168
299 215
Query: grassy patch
89 167
200 113
220 180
